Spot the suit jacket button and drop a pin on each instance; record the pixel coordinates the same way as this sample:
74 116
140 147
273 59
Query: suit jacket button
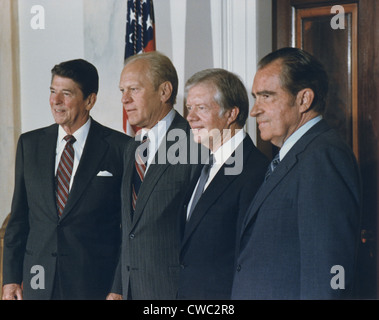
239 268
131 236
182 266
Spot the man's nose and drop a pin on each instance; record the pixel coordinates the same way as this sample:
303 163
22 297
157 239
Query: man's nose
255 110
56 98
192 115
126 97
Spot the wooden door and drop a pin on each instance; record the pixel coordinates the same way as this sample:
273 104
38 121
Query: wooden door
344 35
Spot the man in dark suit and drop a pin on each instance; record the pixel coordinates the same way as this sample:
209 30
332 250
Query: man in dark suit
149 263
218 105
63 236
300 234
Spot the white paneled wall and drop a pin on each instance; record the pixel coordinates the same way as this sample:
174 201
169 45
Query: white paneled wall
195 34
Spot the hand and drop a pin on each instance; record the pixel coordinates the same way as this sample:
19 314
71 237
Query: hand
114 296
12 291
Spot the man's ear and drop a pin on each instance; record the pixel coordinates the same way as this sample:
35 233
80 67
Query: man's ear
304 99
233 114
165 91
90 101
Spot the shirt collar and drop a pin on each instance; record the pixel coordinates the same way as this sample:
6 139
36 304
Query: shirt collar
225 151
80 134
157 132
289 143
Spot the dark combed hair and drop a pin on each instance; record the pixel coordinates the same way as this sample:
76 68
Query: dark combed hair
301 70
230 90
81 72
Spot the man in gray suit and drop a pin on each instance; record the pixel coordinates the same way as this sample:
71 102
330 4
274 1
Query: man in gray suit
153 190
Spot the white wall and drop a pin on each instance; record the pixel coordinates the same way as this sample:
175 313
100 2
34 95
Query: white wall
195 34
40 49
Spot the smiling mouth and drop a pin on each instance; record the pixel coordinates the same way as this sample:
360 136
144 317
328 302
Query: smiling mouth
262 123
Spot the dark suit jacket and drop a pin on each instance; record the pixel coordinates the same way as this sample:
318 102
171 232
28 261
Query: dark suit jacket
303 221
83 244
149 261
207 253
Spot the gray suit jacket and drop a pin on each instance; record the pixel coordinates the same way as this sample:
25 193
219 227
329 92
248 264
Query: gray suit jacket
149 262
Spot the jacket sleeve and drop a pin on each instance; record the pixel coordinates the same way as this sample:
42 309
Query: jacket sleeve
328 220
117 284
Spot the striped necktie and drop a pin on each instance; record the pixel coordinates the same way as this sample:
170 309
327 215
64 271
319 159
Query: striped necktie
64 172
139 171
274 163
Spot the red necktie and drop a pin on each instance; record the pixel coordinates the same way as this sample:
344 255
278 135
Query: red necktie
139 172
64 173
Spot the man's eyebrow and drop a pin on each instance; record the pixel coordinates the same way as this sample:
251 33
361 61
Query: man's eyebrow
263 93
64 90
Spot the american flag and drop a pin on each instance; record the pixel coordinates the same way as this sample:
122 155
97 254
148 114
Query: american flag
140 37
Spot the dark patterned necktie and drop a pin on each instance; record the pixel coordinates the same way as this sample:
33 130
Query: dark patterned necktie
139 171
272 166
202 181
64 172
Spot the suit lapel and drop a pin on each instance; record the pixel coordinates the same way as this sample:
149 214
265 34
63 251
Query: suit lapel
285 166
156 170
94 150
215 189
129 163
47 152
280 172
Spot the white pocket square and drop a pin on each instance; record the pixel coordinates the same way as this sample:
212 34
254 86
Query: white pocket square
104 174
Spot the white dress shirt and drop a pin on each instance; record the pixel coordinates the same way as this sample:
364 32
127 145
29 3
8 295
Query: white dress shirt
81 137
220 156
156 135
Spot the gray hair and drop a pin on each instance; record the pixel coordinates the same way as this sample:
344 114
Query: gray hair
230 90
161 69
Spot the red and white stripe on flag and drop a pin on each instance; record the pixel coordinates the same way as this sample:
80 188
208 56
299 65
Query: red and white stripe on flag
140 37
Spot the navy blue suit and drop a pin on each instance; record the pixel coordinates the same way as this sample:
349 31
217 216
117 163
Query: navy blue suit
208 243
303 221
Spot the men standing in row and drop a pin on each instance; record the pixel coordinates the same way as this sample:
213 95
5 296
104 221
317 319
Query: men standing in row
304 220
64 227
149 264
218 106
